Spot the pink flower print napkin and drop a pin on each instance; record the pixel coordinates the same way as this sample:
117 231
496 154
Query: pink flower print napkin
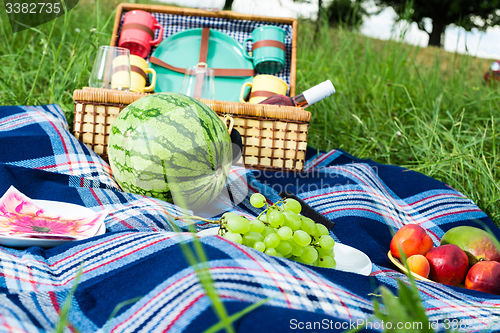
21 216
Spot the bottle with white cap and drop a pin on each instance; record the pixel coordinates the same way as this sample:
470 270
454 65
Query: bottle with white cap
303 100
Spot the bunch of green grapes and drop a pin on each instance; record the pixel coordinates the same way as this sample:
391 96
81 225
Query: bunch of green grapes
281 231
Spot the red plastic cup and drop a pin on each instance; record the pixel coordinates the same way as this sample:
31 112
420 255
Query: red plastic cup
138 32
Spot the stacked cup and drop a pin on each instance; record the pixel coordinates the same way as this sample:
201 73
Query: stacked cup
268 49
111 69
138 31
268 57
124 67
137 35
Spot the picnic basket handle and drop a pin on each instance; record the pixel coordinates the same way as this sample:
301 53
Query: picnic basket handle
229 122
236 141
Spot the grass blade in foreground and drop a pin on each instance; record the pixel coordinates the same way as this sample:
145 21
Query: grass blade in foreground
62 322
220 325
198 259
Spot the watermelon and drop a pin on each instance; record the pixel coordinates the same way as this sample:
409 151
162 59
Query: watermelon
171 147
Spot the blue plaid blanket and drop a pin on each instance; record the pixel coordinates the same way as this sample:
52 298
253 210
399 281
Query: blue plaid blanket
140 256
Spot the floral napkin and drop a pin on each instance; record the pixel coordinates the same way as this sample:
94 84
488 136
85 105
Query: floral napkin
21 216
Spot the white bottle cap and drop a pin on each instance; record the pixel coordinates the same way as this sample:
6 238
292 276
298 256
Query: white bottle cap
495 67
318 92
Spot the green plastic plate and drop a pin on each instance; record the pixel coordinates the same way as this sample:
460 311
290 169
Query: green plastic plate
182 50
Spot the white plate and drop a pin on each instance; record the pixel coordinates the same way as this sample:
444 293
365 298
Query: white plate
64 209
352 260
348 258
208 232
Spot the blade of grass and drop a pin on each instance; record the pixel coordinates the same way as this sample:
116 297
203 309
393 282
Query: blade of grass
28 99
220 325
117 309
63 316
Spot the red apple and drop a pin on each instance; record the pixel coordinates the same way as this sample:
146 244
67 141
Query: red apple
412 239
449 264
484 276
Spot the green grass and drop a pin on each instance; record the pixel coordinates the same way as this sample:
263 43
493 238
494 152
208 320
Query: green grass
46 63
420 108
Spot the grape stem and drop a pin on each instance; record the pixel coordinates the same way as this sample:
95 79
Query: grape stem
269 207
258 217
197 218
277 202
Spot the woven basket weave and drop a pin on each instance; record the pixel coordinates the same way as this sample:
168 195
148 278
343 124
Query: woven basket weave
274 137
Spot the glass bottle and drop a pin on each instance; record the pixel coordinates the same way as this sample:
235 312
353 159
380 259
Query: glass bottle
303 100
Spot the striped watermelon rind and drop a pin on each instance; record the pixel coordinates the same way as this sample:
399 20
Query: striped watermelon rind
171 147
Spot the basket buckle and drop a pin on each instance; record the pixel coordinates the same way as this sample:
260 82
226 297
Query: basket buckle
229 121
201 68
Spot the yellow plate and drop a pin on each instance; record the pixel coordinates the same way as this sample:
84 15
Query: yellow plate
402 268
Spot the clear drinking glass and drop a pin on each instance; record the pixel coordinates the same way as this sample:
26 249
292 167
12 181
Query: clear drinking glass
111 69
199 82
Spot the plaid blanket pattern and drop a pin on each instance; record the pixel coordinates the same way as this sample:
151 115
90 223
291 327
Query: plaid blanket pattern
238 29
140 256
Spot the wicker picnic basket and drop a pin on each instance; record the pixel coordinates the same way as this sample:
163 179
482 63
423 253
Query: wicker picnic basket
274 137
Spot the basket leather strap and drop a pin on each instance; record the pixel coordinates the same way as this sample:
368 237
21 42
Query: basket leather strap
205 34
198 85
217 71
269 42
141 27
